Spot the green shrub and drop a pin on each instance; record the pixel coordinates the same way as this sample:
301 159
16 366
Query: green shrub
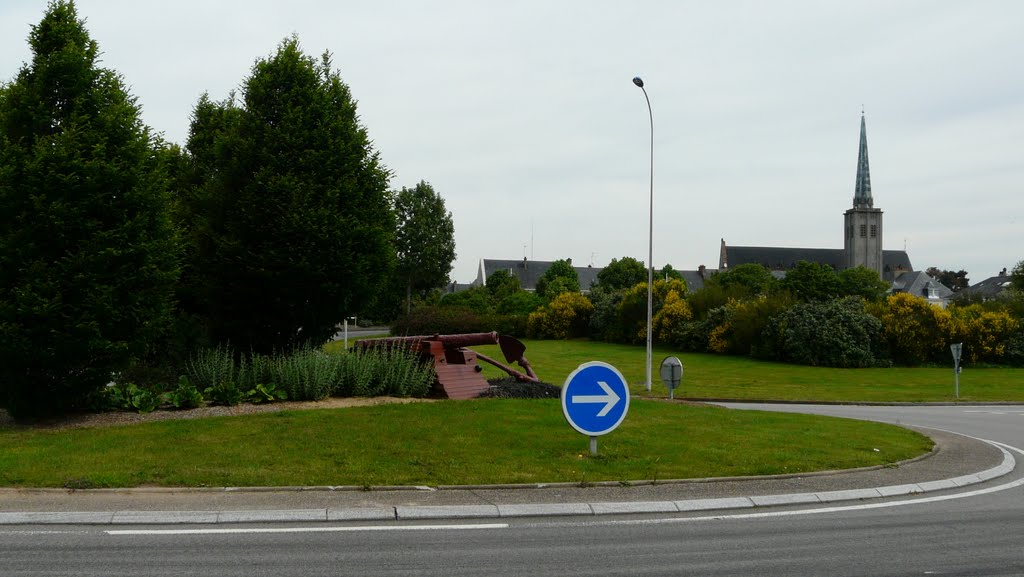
916 331
476 299
401 373
184 396
356 374
253 370
566 316
519 303
307 374
129 397
604 321
224 393
209 368
265 394
442 320
837 333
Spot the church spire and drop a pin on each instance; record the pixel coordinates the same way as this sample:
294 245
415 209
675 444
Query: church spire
862 192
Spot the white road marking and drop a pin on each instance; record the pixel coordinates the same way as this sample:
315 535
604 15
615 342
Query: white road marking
239 530
866 506
38 532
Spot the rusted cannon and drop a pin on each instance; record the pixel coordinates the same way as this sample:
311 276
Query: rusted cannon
458 374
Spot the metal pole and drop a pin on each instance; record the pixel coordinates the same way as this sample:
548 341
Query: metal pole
650 240
956 372
346 333
593 446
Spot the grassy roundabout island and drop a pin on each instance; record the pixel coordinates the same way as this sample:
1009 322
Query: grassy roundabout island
447 442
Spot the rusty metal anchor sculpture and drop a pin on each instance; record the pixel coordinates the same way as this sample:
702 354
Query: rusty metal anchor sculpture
458 374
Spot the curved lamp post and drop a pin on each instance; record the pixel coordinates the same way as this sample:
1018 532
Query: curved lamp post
650 239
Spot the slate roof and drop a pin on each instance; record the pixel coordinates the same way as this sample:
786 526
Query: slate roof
917 283
989 288
784 258
529 272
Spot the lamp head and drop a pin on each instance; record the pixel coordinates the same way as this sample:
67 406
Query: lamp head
638 81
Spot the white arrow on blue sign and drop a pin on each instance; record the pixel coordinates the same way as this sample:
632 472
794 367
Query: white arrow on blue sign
595 398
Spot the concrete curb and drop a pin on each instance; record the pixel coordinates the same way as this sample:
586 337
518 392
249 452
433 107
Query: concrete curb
424 512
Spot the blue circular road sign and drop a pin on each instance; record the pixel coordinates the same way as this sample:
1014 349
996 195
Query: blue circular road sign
595 398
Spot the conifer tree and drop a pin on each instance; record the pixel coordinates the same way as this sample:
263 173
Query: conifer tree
87 252
292 219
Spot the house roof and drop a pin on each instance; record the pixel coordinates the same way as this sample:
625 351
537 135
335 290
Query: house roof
529 272
918 282
784 258
989 288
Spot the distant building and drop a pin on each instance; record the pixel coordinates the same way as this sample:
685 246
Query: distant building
529 272
921 284
990 288
862 237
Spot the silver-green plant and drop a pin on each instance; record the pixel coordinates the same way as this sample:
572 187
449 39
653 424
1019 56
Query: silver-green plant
306 374
211 367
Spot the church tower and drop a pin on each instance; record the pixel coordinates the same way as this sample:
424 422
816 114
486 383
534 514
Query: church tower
863 231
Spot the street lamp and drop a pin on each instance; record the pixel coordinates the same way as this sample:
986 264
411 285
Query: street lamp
650 239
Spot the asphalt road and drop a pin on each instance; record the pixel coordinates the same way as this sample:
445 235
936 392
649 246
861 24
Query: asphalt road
946 534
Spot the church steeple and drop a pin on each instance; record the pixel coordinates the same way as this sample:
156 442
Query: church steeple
863 222
862 192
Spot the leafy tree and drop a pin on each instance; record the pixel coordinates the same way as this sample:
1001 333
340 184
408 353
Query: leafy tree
956 281
622 274
425 240
633 307
519 303
476 299
294 225
862 282
713 296
560 277
669 273
812 282
87 252
750 279
674 312
1017 277
503 284
604 321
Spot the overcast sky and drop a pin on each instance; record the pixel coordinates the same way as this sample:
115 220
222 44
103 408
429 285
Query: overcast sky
523 116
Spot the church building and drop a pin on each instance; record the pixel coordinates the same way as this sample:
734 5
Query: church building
862 234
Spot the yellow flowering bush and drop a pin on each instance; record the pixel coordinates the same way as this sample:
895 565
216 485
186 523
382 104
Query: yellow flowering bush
566 316
917 332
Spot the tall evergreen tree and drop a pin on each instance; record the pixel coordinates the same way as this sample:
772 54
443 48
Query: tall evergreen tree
425 240
87 254
292 221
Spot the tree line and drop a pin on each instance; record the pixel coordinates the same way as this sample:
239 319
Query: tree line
814 315
270 226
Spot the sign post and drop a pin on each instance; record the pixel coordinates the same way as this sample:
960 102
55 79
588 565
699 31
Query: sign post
957 348
595 399
671 374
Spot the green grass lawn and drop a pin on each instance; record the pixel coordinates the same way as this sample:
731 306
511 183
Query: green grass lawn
447 442
718 376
